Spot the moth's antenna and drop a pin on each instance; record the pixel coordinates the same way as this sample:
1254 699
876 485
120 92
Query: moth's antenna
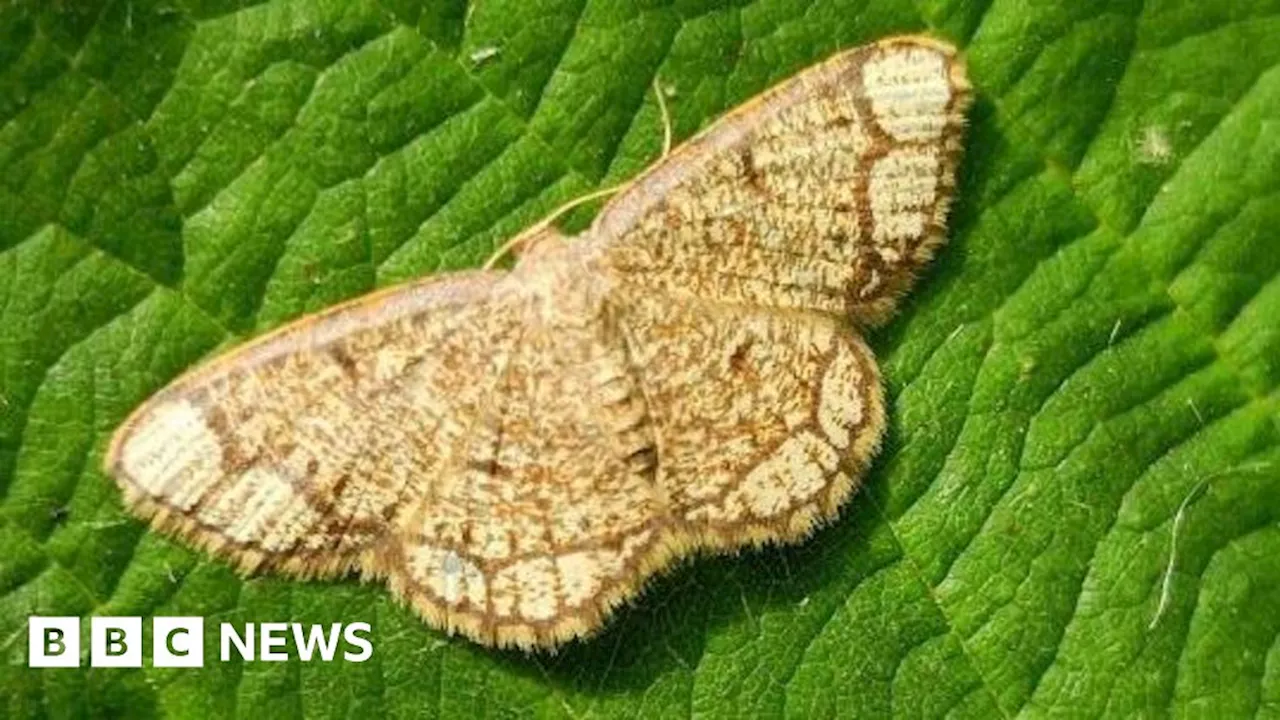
559 212
666 117
541 225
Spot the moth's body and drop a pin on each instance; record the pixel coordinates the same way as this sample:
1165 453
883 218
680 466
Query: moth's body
515 452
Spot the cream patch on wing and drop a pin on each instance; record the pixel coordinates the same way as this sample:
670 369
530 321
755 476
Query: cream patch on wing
583 574
261 507
527 588
903 190
173 448
840 405
909 91
793 473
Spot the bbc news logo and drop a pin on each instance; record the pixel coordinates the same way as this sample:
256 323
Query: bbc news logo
179 642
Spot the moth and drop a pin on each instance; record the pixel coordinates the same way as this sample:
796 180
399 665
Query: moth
514 453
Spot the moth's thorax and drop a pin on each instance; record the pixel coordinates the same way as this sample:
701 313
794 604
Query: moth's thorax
564 277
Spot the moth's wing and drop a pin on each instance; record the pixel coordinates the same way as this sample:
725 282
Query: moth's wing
551 517
298 451
765 421
627 430
828 192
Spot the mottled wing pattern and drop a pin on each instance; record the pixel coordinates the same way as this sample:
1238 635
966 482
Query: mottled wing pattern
744 256
763 421
626 431
828 192
297 451
550 516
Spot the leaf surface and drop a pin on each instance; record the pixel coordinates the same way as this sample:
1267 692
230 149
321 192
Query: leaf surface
1077 511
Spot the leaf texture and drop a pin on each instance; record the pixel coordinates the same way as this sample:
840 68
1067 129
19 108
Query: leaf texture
1089 366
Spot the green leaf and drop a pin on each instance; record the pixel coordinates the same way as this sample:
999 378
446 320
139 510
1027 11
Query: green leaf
1077 511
